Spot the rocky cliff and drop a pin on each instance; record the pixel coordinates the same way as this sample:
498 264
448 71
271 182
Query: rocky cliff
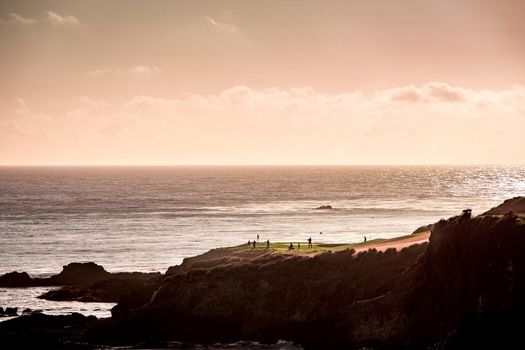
466 286
462 289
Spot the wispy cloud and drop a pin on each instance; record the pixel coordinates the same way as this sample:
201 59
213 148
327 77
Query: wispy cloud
58 20
95 73
140 71
144 71
15 19
85 100
220 25
21 106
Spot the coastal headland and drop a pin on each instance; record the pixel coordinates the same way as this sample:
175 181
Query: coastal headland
458 284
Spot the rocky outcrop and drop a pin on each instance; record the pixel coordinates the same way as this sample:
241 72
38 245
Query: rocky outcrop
110 289
17 279
8 312
464 287
515 205
324 207
86 282
71 274
80 274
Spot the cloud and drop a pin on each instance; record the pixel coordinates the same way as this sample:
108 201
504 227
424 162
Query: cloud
95 73
306 102
144 71
149 101
21 106
444 92
15 19
59 20
430 92
140 71
405 94
91 102
430 123
222 26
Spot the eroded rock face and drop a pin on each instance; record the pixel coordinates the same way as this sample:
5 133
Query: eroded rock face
470 275
304 299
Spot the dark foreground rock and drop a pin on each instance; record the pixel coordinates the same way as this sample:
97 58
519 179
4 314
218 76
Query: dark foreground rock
39 331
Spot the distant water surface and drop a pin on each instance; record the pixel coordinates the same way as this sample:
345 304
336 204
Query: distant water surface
149 218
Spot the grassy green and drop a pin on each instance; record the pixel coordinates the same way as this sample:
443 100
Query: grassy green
282 247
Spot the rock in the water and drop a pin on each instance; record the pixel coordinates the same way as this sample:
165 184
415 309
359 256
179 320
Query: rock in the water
80 274
16 279
324 207
29 311
8 312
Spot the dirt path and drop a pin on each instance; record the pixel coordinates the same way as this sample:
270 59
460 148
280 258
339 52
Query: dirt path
397 244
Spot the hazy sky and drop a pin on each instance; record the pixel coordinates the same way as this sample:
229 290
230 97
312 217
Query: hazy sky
262 82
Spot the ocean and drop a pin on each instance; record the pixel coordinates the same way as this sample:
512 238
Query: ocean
150 218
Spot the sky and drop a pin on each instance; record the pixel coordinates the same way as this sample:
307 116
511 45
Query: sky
136 82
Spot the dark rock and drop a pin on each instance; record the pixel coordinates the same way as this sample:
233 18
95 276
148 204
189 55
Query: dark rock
80 274
110 289
40 331
72 274
324 207
29 311
16 279
72 294
9 312
86 282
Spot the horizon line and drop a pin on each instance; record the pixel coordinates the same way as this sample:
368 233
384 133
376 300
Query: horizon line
260 165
